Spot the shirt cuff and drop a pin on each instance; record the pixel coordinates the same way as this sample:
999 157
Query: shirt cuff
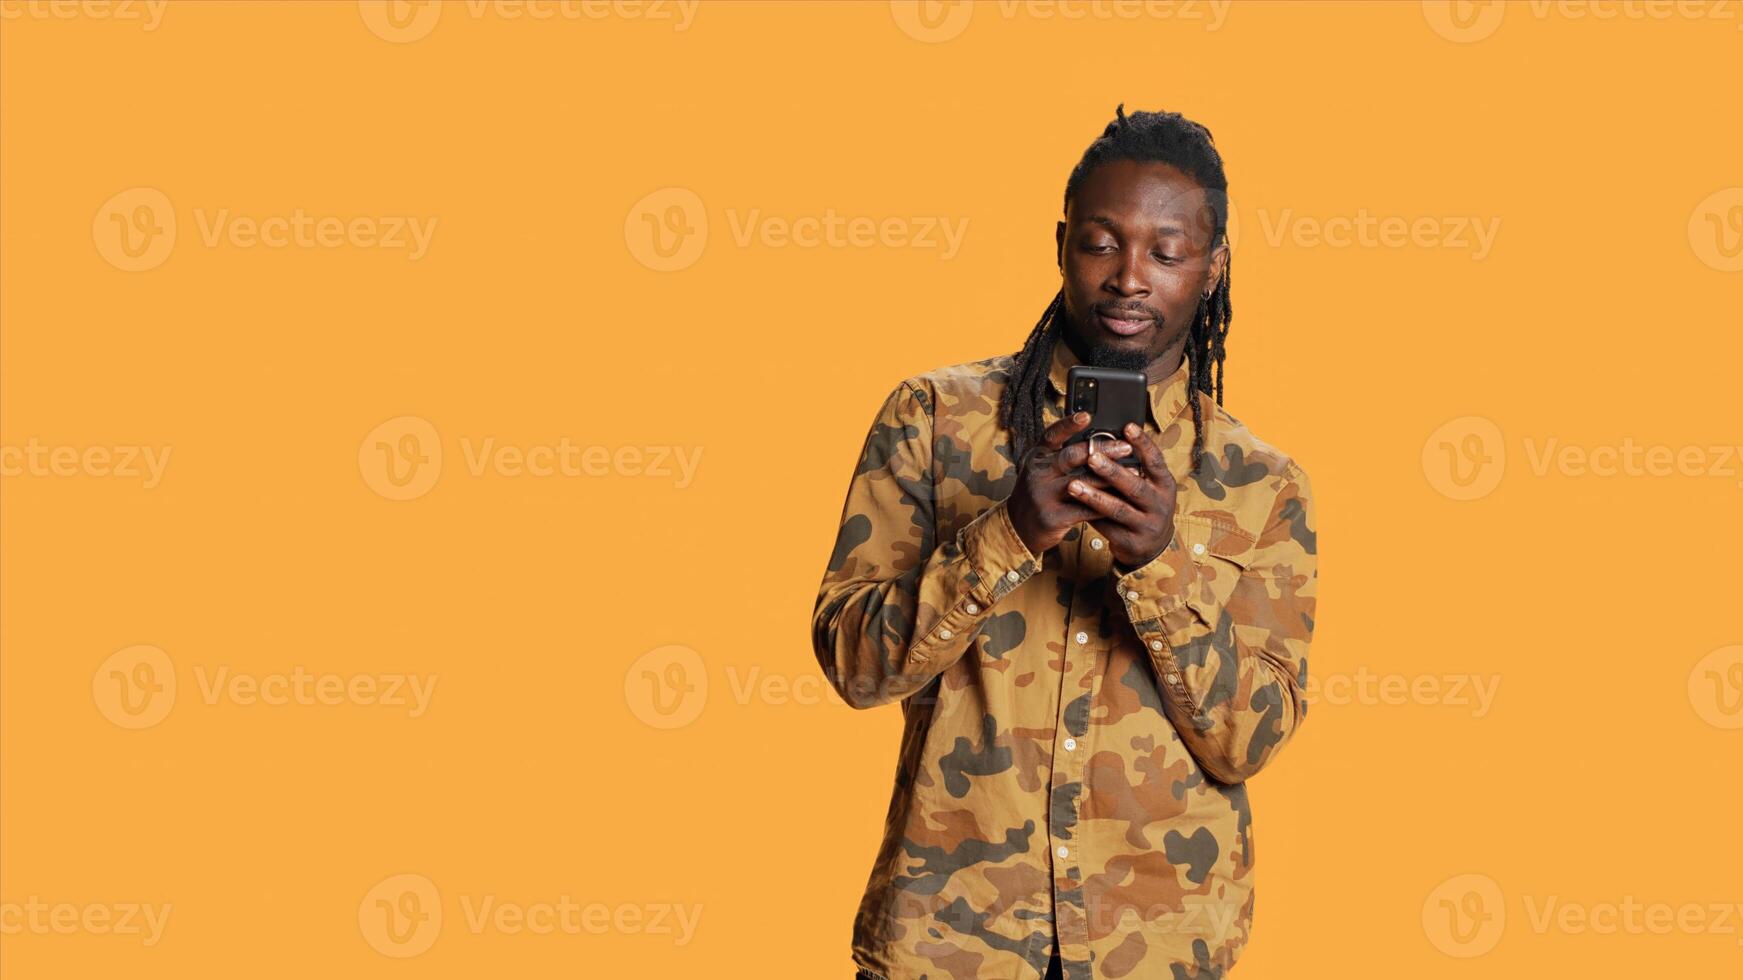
998 560
995 563
1156 591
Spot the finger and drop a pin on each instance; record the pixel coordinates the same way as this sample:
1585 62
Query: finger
1071 512
1066 511
1105 504
1151 456
1073 457
1055 435
1123 480
1060 489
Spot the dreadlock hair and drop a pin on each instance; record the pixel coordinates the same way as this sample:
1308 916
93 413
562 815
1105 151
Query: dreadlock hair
1163 137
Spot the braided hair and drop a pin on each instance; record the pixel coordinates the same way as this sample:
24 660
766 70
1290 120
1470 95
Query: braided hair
1164 137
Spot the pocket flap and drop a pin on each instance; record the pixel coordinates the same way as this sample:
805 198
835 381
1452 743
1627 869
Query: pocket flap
1220 551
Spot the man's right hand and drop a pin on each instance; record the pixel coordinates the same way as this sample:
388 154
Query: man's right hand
1040 507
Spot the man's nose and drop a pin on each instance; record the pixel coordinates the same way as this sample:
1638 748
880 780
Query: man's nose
1127 278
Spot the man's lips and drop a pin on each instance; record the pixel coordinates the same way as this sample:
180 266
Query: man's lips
1126 323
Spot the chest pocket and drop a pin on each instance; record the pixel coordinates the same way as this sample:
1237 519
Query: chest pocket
1222 551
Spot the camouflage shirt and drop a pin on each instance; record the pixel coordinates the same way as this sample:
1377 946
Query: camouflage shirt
1075 740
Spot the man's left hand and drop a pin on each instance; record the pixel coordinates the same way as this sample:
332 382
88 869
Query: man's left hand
1138 517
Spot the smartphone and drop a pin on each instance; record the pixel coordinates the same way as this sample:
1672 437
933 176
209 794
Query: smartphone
1112 397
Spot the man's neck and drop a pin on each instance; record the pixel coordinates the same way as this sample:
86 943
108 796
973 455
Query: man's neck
1164 366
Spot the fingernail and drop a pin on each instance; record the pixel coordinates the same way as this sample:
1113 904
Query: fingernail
1131 428
1076 486
1080 417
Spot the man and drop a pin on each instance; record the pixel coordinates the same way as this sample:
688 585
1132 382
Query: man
1089 666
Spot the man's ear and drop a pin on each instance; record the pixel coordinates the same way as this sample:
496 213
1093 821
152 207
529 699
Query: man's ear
1059 246
1219 263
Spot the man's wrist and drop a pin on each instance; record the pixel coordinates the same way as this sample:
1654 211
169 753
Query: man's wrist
1019 526
1122 568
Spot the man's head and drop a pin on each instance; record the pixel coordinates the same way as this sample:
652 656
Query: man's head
1143 260
1136 259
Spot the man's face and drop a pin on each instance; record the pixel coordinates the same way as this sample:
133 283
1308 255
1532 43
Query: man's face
1134 251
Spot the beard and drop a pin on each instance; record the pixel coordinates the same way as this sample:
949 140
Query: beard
1102 355
1097 354
1076 333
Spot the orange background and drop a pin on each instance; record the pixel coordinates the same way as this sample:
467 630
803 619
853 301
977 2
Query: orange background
1603 152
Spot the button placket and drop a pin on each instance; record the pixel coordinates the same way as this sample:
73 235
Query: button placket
1065 769
1069 762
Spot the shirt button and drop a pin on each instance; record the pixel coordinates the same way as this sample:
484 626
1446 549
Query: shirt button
1173 678
1198 549
1155 644
1082 637
1095 543
1013 575
1070 744
1064 853
944 634
972 609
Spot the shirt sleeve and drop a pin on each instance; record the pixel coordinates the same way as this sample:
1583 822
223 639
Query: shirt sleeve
1228 629
896 607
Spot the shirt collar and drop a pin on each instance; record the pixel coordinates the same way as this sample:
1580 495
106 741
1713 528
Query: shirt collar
1167 396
